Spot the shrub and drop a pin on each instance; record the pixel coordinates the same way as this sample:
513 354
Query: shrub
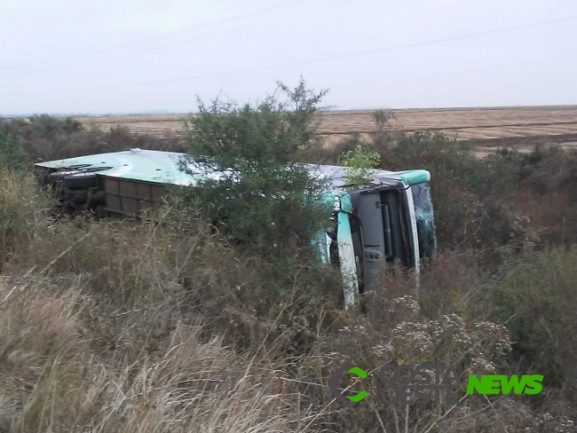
12 155
537 300
359 163
50 126
48 138
261 198
464 212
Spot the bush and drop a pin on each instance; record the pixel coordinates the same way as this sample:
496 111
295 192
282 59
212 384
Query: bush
552 169
359 163
12 155
261 198
537 300
49 138
470 205
49 126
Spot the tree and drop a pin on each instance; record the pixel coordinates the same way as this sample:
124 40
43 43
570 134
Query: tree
251 186
381 136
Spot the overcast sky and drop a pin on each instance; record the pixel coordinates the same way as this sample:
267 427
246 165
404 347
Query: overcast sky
72 56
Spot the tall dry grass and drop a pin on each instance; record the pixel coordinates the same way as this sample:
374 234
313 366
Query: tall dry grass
61 375
98 332
161 325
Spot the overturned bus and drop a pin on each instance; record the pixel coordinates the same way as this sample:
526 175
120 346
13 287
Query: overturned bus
390 220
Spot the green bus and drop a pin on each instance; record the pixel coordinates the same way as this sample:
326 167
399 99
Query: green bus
389 220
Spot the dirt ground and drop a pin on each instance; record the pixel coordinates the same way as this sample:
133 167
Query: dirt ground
487 128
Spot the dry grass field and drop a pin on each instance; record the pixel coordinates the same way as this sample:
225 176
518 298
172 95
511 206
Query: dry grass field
171 325
487 128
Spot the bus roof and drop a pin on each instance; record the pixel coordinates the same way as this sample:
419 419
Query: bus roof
163 167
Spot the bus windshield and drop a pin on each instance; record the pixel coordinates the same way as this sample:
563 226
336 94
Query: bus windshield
425 219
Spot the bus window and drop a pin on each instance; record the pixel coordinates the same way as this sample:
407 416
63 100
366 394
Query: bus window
425 219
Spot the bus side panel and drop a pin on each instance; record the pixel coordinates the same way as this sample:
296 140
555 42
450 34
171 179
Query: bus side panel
131 197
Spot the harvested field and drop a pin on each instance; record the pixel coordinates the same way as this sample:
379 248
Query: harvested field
487 128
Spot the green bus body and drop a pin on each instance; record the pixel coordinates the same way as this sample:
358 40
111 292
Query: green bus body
390 219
